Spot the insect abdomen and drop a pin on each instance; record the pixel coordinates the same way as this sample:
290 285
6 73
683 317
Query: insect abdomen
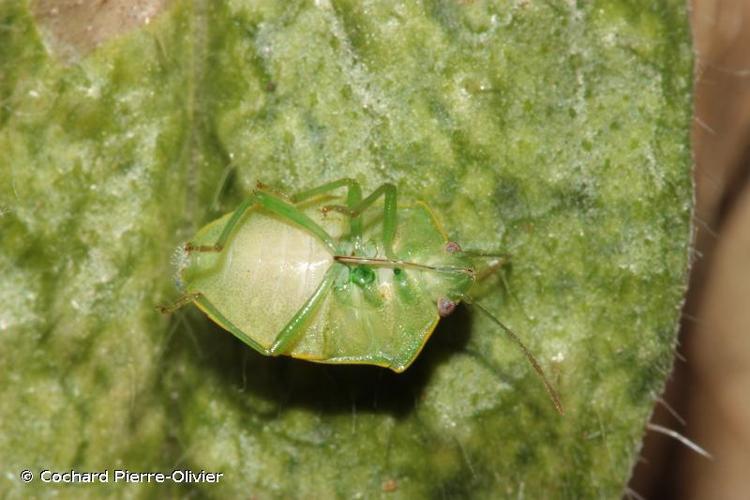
265 273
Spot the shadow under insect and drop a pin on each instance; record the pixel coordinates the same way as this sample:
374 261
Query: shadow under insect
282 382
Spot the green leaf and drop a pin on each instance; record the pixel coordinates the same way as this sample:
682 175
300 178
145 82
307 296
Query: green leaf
554 131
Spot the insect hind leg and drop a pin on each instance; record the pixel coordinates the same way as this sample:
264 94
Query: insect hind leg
189 248
273 204
296 326
227 231
186 299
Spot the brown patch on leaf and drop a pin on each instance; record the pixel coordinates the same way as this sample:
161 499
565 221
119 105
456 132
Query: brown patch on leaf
73 28
390 486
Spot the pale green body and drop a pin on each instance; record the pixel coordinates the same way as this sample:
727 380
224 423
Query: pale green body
269 267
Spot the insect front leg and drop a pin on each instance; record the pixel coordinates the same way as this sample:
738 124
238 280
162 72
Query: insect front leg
389 193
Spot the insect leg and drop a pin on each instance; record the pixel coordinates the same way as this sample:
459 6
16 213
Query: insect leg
389 192
296 326
290 212
351 184
227 231
222 321
214 314
273 204
353 198
182 301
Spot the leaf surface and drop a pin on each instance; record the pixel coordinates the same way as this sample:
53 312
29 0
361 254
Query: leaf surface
556 132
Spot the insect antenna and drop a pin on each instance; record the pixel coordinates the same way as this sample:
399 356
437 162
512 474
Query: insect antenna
495 260
532 360
485 255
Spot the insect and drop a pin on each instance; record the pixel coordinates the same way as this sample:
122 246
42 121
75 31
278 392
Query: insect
331 283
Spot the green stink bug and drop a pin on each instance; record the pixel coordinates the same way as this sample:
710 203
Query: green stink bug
331 283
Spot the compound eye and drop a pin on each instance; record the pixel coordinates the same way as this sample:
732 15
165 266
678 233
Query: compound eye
452 247
445 306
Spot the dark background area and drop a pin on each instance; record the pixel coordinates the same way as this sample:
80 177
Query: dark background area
708 396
